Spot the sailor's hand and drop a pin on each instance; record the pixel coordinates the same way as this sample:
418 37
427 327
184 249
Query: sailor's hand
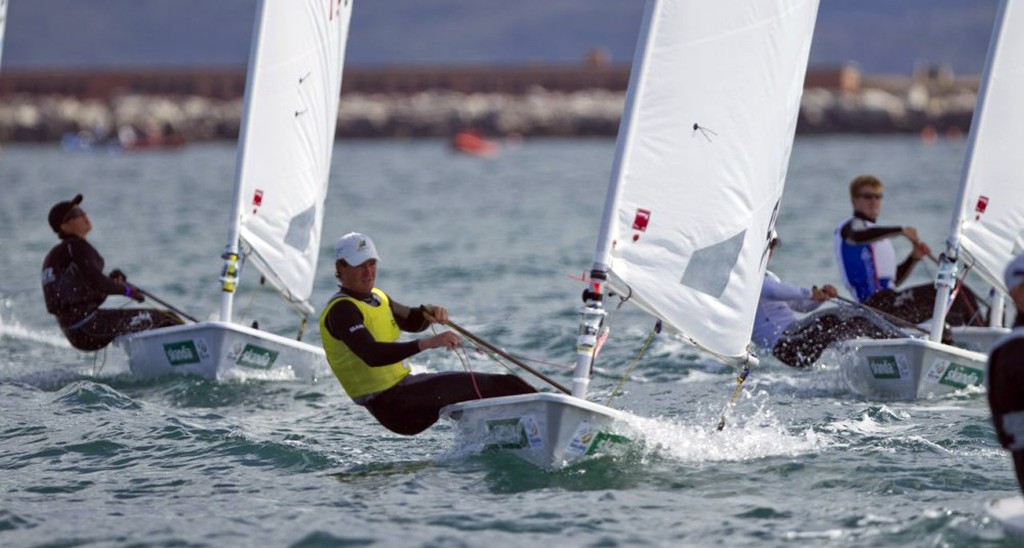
118 276
434 313
824 293
911 234
446 340
920 250
819 294
133 293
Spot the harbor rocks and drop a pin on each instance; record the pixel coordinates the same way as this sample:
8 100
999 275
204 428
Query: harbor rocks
439 113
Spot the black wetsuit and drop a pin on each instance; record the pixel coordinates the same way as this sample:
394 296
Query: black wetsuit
1005 382
412 405
74 287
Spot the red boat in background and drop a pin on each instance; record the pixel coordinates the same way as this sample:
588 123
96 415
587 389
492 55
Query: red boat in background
471 142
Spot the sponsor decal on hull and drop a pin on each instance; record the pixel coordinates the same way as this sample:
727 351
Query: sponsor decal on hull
256 357
514 433
182 353
884 367
506 434
953 374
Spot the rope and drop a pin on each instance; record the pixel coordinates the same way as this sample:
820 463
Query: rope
95 358
477 340
629 368
736 391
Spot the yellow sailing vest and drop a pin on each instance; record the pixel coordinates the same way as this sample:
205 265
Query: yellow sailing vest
356 377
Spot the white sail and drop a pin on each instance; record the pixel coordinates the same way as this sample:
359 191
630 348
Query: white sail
701 161
989 221
287 137
3 24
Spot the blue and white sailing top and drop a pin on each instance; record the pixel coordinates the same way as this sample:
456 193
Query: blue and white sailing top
867 258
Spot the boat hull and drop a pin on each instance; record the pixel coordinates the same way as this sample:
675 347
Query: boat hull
220 350
908 369
550 431
978 339
1008 512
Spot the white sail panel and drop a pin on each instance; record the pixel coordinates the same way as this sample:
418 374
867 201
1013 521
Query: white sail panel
702 159
286 144
3 24
991 212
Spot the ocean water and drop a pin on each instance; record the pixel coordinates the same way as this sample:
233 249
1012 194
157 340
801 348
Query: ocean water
91 456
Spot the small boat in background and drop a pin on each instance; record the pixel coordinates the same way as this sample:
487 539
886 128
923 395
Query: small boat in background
127 138
470 141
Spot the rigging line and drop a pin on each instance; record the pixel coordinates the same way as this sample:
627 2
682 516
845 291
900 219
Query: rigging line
506 356
95 358
464 358
732 401
732 362
252 297
975 313
629 369
461 352
542 362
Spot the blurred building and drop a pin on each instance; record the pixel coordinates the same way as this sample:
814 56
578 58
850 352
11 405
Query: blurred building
229 83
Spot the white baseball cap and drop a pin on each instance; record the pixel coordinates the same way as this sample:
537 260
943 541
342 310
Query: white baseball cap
1014 274
355 249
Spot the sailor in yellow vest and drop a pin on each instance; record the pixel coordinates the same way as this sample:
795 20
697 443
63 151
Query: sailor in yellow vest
360 327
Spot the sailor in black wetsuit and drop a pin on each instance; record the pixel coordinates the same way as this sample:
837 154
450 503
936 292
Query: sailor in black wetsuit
74 286
360 327
1005 378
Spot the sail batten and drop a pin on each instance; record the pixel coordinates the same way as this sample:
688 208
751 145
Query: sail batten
288 138
701 161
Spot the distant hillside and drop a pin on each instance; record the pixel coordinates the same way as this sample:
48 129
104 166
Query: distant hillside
883 36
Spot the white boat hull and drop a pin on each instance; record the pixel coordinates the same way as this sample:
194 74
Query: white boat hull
908 369
550 431
220 350
978 339
1008 512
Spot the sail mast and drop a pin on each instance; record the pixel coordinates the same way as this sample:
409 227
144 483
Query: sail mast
229 271
648 28
592 312
948 260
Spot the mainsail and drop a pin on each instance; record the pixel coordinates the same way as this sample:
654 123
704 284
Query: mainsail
3 24
701 162
287 137
989 220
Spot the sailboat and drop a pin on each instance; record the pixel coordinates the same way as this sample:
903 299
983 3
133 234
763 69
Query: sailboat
281 176
985 232
697 178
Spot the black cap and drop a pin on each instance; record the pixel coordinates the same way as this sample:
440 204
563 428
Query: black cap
60 211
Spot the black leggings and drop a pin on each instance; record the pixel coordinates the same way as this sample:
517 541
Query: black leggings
916 304
106 324
413 405
803 342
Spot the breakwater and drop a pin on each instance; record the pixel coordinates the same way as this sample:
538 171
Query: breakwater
438 113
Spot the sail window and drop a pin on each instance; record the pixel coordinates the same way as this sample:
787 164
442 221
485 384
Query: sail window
709 267
300 229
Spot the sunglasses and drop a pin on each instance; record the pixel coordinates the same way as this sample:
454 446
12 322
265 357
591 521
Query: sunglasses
75 213
870 196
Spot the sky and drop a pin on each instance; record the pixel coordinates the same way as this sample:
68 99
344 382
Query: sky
881 36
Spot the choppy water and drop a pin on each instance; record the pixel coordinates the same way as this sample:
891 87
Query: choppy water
90 456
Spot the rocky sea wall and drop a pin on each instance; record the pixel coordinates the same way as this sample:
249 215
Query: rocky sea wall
595 112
